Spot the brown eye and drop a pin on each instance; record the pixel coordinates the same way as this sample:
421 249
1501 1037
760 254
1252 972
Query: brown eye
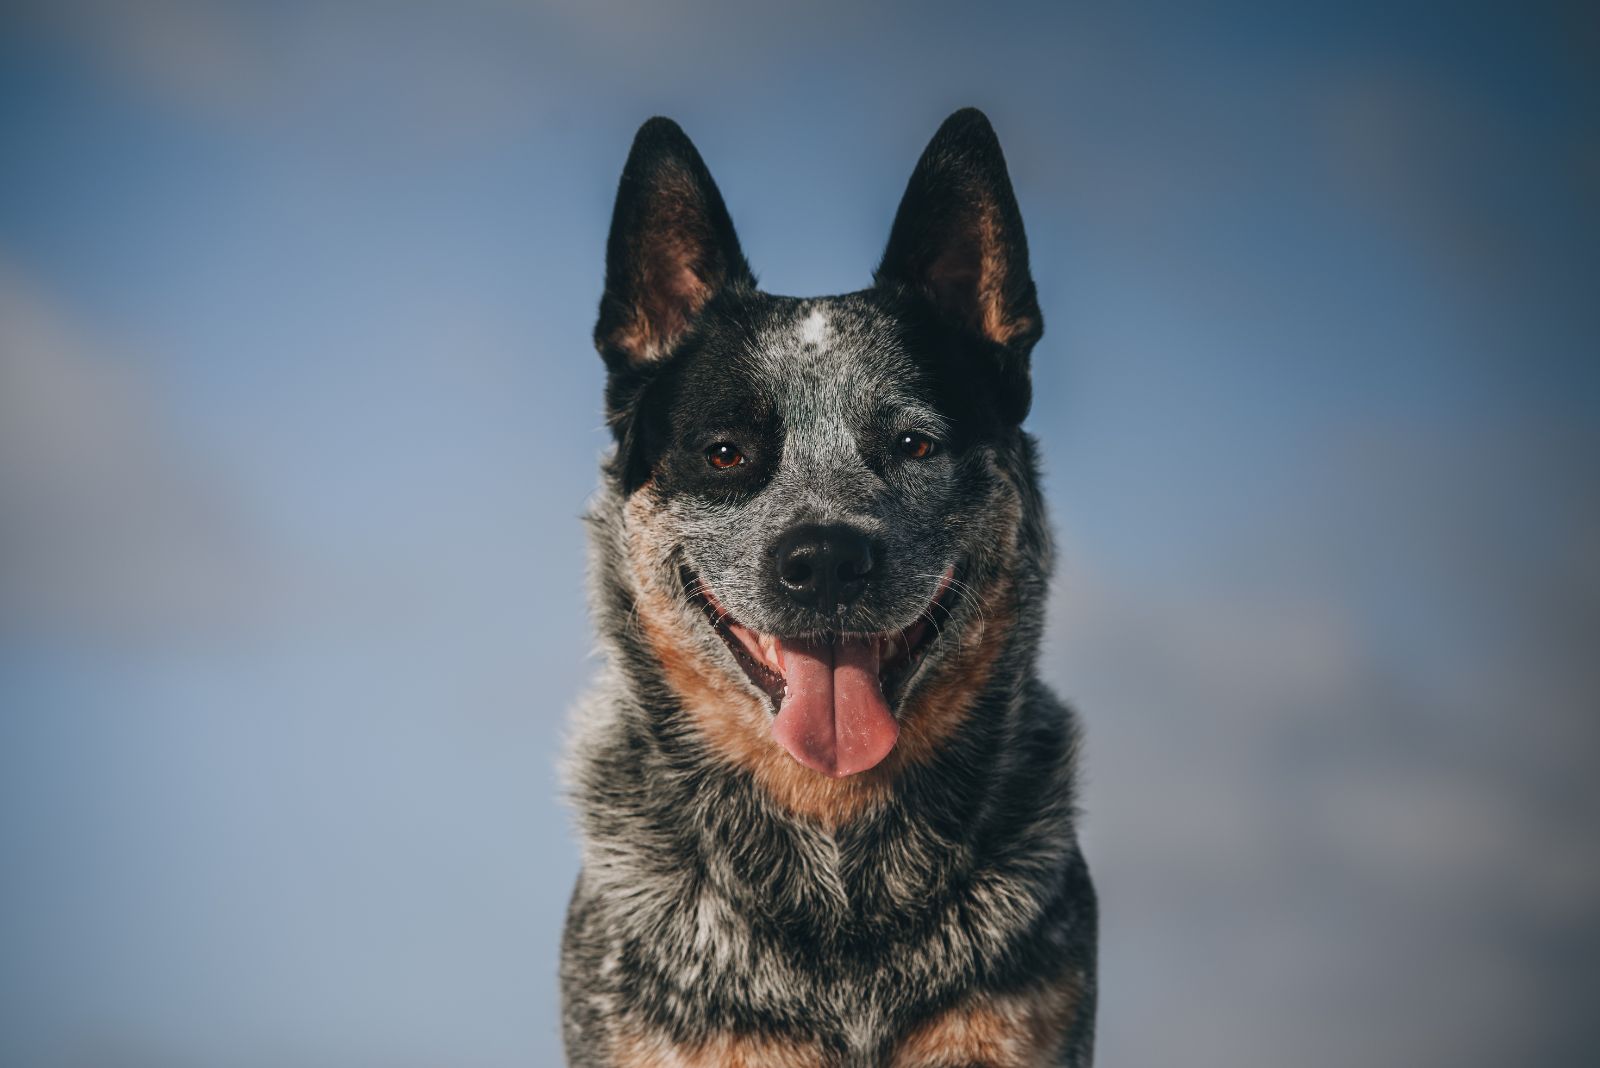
917 446
724 455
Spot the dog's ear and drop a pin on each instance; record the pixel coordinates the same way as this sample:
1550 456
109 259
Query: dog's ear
672 248
957 242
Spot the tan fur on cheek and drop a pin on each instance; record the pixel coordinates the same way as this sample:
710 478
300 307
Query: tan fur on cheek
1015 1031
638 1050
700 684
929 722
943 706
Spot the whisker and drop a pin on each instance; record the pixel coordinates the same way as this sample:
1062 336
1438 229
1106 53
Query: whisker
963 593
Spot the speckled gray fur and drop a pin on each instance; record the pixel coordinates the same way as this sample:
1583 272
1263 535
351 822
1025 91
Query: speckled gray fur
706 908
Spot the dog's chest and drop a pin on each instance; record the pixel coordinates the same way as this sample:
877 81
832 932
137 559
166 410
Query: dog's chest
839 938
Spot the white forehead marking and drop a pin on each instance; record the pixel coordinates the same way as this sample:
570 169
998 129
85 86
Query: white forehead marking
815 328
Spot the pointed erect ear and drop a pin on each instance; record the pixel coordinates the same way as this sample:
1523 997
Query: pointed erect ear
958 242
672 248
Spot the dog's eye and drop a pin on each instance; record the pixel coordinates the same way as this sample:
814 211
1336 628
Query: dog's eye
915 445
723 455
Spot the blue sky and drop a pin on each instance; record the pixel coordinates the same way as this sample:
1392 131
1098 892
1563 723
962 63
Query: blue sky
298 415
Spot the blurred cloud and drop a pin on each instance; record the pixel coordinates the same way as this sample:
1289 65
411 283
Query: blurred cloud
1395 685
1415 150
202 56
107 523
1323 869
412 77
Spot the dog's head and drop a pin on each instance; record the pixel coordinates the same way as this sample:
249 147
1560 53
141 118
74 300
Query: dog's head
828 492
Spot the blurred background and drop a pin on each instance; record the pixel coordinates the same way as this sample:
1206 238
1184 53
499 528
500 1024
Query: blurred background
298 415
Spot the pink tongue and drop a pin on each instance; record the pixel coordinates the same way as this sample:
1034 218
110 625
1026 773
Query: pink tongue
833 717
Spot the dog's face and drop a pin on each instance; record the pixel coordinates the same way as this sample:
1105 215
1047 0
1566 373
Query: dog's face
821 485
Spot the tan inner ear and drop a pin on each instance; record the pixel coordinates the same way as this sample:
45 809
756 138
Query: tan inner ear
675 272
970 276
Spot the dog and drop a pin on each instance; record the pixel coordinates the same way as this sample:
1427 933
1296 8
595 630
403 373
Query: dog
827 807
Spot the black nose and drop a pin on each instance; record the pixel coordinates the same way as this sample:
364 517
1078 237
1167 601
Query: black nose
824 567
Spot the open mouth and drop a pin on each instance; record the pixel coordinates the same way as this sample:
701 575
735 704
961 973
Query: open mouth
831 692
